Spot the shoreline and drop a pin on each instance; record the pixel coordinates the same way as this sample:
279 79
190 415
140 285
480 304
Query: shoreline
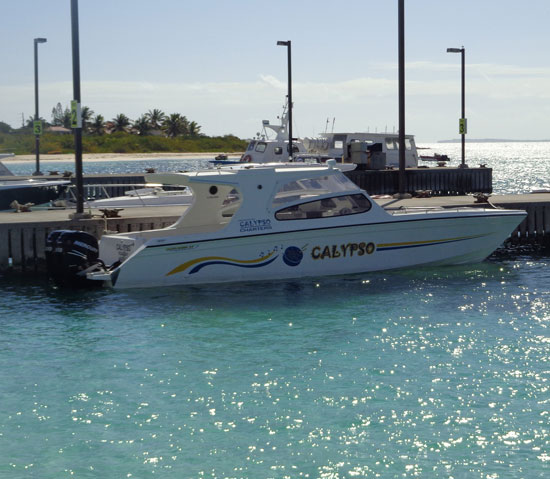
64 157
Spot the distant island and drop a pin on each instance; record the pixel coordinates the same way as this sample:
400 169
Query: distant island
491 140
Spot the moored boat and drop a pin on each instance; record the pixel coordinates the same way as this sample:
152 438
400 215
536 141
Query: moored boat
265 149
267 223
137 195
342 145
30 191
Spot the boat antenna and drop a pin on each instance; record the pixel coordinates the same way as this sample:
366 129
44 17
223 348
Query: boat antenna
333 120
326 125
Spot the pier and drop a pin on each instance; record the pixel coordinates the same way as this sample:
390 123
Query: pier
440 181
23 235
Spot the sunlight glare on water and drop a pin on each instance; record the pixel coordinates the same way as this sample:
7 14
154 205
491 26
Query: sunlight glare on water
429 373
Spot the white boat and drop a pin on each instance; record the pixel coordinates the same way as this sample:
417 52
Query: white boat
340 145
271 223
30 191
264 149
138 195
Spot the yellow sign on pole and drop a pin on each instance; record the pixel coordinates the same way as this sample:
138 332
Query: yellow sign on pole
37 127
76 117
463 126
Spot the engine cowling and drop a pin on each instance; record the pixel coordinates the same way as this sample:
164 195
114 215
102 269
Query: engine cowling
68 254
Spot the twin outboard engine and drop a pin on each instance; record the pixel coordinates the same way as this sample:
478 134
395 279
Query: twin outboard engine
69 254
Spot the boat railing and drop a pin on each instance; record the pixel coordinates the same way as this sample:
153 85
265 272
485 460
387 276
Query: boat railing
403 210
101 191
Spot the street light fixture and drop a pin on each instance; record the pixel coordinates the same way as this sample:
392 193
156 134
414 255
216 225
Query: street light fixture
288 44
463 127
37 128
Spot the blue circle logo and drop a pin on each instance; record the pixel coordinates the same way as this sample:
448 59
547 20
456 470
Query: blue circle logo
293 256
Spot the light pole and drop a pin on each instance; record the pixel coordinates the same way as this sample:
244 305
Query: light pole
289 46
463 126
36 117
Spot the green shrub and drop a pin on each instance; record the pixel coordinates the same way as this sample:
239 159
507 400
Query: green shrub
120 142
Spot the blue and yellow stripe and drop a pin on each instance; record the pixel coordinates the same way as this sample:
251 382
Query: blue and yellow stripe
200 263
418 244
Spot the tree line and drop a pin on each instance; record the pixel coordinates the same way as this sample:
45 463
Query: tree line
153 122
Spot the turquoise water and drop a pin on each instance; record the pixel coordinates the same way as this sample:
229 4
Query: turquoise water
431 373
434 373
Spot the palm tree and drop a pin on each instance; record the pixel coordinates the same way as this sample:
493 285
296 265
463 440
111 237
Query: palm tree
174 125
30 122
155 118
97 126
142 125
66 119
194 129
86 114
185 123
121 122
57 115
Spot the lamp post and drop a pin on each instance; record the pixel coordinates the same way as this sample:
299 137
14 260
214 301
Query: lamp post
37 129
401 77
463 127
77 124
289 46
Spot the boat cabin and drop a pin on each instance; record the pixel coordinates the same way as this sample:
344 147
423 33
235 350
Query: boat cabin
340 145
270 151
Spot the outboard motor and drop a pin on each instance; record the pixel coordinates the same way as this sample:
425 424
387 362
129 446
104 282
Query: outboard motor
68 254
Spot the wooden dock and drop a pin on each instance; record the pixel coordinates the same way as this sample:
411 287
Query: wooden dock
23 235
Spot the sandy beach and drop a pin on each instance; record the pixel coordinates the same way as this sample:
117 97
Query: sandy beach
115 156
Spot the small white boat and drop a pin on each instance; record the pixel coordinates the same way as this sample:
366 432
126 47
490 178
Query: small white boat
270 223
30 191
139 195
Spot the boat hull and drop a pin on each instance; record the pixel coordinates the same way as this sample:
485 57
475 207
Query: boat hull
403 243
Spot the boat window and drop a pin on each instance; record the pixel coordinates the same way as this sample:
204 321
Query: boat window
311 187
261 146
251 146
278 150
231 203
326 208
338 144
392 144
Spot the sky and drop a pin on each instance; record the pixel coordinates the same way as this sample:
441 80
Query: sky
217 62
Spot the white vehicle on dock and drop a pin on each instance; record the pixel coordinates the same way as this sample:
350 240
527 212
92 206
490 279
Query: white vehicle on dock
272 223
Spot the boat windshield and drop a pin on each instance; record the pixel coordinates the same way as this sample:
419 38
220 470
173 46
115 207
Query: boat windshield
343 205
311 187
